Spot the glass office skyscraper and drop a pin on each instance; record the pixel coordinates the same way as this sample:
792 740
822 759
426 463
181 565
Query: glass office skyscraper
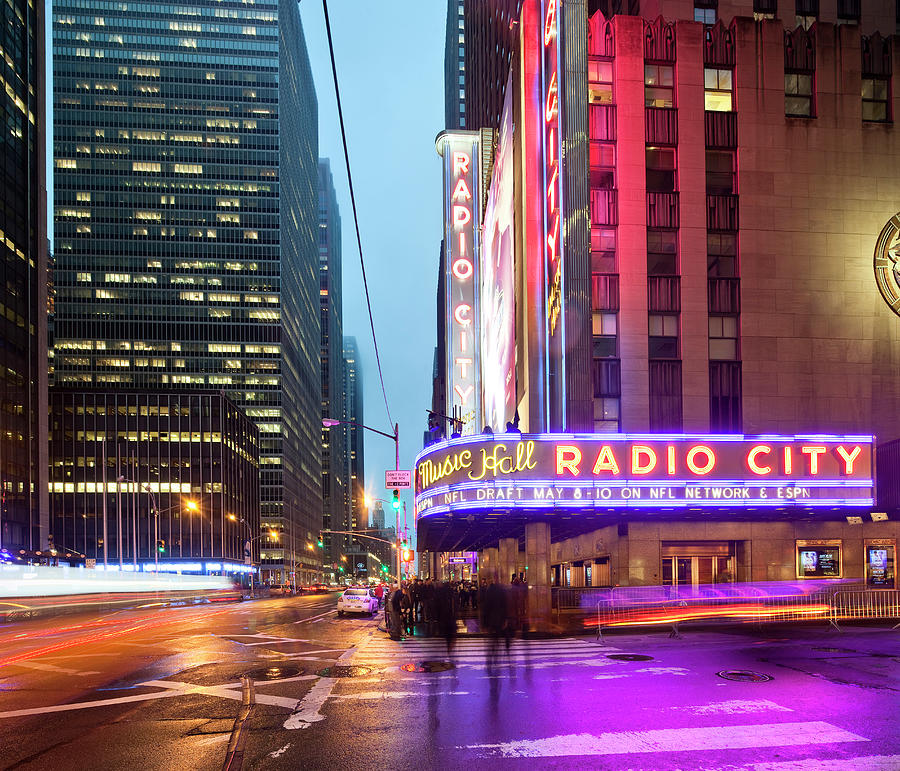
23 291
185 155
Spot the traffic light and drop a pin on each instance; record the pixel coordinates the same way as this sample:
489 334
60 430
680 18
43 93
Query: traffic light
395 500
320 543
161 546
407 555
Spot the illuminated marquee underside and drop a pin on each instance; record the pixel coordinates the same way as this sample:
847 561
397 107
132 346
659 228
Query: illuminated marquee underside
553 472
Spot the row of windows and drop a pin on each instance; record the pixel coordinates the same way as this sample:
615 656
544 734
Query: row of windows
799 90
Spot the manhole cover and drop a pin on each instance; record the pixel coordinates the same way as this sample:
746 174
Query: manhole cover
428 666
274 673
629 657
343 671
744 676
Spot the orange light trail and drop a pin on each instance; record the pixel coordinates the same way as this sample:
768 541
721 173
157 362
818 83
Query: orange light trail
113 633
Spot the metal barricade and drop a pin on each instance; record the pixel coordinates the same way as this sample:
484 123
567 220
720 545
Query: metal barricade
865 604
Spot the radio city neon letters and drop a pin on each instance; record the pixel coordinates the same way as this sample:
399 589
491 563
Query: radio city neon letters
699 460
550 110
460 153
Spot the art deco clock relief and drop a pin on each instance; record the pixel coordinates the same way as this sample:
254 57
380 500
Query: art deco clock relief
887 263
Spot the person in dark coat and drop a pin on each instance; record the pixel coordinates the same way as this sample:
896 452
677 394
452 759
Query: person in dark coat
394 609
495 618
445 615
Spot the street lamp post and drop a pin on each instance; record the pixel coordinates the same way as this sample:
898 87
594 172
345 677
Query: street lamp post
250 540
190 505
329 422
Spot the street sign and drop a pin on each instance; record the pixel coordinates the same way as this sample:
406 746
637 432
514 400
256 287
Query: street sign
90 563
247 552
396 480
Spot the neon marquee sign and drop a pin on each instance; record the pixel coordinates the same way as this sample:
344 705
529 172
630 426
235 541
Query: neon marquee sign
552 147
460 151
542 470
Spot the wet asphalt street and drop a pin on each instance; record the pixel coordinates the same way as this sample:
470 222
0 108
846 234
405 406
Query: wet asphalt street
160 688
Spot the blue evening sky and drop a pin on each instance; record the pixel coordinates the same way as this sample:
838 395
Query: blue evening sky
390 59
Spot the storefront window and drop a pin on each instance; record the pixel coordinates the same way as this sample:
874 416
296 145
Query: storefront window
818 559
880 561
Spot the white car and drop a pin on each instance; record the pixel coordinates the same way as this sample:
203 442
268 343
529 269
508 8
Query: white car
357 601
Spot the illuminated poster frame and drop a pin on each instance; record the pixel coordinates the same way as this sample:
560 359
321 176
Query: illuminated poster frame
461 153
540 472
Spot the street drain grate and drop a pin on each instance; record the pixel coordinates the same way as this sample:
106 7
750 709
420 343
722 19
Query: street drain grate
629 657
428 666
273 673
343 671
744 676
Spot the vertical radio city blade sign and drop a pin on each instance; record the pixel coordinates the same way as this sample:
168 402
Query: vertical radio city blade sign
552 146
461 154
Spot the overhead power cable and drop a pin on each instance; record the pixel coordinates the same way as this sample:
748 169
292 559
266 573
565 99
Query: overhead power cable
362 264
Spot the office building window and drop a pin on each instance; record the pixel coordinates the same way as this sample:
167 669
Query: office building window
662 252
719 89
663 342
659 89
665 396
660 169
704 14
848 11
607 394
723 338
876 99
720 176
603 165
603 250
798 94
600 81
764 9
721 255
725 397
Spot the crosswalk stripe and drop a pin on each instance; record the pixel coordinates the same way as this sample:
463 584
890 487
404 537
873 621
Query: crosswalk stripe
477 652
728 737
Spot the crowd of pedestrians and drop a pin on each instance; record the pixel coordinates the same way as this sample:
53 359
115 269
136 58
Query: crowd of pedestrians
431 608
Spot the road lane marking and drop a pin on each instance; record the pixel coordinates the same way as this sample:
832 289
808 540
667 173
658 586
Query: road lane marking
307 711
53 668
866 763
376 695
671 740
733 707
172 688
87 704
314 618
309 706
279 752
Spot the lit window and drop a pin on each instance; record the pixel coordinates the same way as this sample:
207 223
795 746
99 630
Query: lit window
719 90
659 88
600 80
604 323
